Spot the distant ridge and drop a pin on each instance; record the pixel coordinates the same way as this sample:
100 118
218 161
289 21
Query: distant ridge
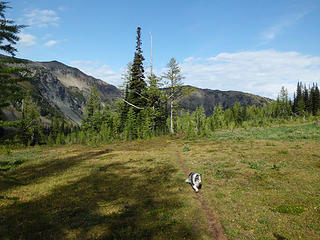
211 98
65 89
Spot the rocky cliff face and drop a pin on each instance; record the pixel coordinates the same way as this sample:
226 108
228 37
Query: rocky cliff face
74 79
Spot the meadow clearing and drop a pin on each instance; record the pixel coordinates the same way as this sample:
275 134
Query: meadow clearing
259 183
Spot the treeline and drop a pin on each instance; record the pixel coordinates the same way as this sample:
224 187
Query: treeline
306 101
105 125
148 108
305 106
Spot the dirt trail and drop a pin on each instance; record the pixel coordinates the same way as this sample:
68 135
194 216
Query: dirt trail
214 226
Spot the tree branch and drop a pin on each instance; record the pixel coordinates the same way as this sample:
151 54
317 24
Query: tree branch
131 104
141 95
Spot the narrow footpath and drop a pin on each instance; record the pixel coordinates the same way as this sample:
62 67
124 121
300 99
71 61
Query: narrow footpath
214 226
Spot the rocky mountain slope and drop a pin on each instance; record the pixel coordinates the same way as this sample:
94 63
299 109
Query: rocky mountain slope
212 98
58 87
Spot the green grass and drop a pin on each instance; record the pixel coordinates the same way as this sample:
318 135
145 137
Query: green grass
264 186
282 133
129 191
11 159
289 209
186 149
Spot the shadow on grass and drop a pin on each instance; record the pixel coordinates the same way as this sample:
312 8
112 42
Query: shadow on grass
137 203
34 172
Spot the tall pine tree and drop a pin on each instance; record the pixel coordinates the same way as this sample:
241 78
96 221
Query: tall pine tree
137 85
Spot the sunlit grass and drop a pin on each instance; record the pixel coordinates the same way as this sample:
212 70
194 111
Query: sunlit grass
283 133
264 185
263 189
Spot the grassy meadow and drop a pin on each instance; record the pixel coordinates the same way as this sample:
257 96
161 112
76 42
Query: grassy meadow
259 183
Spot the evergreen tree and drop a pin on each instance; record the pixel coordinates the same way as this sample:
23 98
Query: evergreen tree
8 31
116 126
200 121
93 103
229 117
157 104
294 103
300 109
316 100
283 107
306 99
244 113
93 112
131 129
175 77
312 98
123 106
54 129
147 126
29 127
217 118
237 113
137 85
297 99
10 91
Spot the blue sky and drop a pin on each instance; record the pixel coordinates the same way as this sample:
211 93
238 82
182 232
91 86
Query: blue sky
254 46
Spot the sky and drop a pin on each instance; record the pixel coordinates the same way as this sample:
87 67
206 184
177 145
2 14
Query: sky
255 46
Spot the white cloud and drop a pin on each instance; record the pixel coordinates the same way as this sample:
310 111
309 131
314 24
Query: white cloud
41 18
98 70
276 29
258 72
51 43
27 39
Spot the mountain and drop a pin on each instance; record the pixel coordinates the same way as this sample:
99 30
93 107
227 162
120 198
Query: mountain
57 87
211 98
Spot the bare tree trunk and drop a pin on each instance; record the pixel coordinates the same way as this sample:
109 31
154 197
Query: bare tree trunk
171 117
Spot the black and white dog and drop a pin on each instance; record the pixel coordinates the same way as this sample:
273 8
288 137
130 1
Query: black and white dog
195 180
